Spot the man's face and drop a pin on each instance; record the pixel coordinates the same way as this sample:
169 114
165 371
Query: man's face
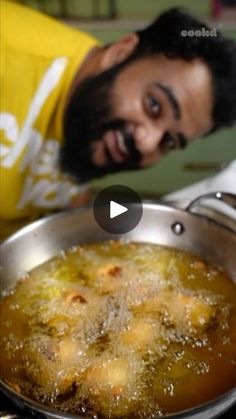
131 115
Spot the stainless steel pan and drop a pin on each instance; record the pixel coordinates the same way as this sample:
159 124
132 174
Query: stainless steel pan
160 224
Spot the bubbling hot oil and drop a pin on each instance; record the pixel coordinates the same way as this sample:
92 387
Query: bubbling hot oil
115 329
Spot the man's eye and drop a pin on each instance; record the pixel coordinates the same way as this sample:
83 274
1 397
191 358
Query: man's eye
153 105
167 143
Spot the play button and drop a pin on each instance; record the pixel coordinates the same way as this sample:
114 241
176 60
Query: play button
117 209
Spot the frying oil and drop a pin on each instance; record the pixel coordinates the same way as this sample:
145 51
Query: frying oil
115 329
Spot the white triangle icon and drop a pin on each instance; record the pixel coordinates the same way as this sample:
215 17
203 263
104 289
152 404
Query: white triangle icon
116 209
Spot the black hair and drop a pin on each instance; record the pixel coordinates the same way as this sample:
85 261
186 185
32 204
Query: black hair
177 34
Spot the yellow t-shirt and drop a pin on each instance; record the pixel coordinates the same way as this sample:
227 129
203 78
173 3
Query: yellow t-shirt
39 60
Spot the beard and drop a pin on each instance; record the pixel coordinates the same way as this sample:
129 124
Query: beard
87 117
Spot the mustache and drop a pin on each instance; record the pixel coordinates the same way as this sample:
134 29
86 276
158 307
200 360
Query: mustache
134 155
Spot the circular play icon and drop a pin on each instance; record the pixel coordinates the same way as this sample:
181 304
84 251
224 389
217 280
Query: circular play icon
117 209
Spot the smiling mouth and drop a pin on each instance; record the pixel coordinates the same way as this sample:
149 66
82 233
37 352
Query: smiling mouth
115 146
121 143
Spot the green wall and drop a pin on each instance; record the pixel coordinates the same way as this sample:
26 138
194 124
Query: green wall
131 9
137 8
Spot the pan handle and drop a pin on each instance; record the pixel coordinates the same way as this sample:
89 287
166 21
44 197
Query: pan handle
228 198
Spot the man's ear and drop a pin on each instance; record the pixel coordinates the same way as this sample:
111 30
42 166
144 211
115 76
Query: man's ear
119 51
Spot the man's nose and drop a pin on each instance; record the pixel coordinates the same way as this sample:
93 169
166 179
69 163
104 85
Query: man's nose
147 137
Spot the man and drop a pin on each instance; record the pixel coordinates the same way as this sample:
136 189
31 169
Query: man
72 110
